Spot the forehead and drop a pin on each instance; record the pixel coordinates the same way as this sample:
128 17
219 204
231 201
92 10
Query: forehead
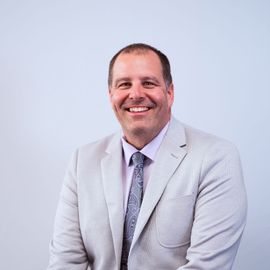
141 62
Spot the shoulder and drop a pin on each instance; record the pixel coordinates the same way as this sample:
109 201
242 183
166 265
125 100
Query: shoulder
101 144
215 156
201 143
196 137
96 150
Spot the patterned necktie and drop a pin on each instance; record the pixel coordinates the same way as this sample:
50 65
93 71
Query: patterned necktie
133 206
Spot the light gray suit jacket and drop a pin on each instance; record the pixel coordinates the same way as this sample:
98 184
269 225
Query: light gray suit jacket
192 215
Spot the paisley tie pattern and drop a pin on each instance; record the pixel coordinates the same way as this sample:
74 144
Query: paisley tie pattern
133 206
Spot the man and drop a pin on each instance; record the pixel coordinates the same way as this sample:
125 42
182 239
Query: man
160 195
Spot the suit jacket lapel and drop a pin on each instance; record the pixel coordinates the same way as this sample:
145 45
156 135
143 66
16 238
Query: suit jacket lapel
111 167
169 157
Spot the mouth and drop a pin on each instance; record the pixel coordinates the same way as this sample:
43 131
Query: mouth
138 109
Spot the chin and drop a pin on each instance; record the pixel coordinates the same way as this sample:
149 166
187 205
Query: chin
137 130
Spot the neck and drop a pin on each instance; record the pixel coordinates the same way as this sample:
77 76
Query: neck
137 142
140 138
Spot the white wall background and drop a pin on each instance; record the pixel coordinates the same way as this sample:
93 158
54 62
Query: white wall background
53 97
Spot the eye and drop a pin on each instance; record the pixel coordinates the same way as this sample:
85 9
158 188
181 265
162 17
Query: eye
124 85
149 84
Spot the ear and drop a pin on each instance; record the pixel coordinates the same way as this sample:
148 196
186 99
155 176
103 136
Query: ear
109 92
170 94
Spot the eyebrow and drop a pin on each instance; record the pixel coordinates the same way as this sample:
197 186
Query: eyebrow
121 79
151 78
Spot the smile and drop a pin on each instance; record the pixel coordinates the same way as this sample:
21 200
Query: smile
138 109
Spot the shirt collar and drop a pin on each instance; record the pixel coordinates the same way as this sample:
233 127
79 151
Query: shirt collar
149 150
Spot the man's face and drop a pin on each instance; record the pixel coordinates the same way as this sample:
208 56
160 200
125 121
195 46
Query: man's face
139 96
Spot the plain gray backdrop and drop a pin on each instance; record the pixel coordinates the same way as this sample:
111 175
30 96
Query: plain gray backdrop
53 97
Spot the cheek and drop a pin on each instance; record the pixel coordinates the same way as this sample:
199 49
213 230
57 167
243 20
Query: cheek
116 101
163 101
114 98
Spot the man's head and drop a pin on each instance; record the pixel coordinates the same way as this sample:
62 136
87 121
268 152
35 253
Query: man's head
141 92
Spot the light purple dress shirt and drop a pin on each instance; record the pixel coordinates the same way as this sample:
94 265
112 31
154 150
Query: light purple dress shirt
149 151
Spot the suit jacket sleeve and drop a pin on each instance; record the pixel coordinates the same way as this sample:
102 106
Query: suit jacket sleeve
220 211
66 248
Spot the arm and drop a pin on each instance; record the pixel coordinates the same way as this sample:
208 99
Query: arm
220 211
66 248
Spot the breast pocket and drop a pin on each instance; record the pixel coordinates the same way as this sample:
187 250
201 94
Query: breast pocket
174 218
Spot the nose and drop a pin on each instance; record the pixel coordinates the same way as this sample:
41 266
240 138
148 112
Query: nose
136 92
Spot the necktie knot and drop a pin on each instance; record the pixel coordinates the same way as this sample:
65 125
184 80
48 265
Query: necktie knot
137 158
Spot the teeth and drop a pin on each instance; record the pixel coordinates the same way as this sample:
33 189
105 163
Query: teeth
138 109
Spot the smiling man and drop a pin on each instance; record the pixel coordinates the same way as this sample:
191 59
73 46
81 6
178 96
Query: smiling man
140 96
159 195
